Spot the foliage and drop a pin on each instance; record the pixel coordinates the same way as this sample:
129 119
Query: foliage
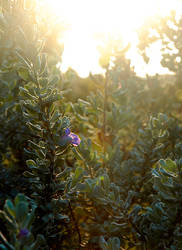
116 183
167 30
19 223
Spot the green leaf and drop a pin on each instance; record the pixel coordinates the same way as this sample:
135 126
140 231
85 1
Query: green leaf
77 154
2 238
64 173
162 163
54 81
34 127
77 176
2 247
64 141
156 173
19 198
78 172
24 74
29 174
29 219
102 243
35 145
84 102
171 166
31 164
24 61
115 242
9 207
9 221
21 211
40 240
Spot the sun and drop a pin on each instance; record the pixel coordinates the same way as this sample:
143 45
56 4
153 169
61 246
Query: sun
86 18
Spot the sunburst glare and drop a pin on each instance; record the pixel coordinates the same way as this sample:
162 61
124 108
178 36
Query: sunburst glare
87 18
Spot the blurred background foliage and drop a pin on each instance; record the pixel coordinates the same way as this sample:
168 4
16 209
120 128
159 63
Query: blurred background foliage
120 188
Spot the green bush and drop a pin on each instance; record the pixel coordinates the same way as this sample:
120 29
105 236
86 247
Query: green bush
100 170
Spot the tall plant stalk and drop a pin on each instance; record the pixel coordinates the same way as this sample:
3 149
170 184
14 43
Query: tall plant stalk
104 114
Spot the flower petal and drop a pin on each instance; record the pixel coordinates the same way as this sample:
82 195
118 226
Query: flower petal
23 232
67 131
75 139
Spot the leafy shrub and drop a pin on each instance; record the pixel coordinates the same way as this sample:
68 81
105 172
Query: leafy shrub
95 171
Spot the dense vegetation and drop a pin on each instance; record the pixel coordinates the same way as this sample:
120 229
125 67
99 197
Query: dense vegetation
90 163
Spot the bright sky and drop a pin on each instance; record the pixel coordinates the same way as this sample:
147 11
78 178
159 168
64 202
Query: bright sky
87 18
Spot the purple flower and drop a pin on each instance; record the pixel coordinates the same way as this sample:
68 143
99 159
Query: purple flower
67 131
75 138
23 233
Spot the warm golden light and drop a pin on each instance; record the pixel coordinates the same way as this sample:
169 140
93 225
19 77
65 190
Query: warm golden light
88 18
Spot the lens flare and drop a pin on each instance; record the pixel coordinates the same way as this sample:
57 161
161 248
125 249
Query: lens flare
88 18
